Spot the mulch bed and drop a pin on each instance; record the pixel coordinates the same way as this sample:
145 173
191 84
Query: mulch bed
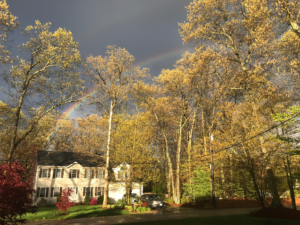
284 213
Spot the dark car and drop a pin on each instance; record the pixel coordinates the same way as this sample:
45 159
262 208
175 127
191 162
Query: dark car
153 200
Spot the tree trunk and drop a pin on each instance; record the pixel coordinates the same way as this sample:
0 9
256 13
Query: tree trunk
276 203
170 166
203 130
190 146
107 157
178 163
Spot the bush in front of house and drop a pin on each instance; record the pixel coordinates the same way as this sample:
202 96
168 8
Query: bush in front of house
148 209
145 204
139 209
100 199
113 206
169 200
42 203
144 209
120 203
130 208
93 201
87 199
58 197
65 204
108 206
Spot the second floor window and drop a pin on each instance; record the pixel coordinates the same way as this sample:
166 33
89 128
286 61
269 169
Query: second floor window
74 174
45 173
57 173
100 174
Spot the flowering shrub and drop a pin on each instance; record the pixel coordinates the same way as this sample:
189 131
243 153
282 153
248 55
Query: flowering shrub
93 201
64 204
145 204
15 194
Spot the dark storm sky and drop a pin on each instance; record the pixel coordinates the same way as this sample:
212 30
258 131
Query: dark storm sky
148 29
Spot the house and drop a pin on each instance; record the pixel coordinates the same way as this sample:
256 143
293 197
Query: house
81 173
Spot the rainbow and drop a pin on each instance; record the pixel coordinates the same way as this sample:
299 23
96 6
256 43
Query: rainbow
72 108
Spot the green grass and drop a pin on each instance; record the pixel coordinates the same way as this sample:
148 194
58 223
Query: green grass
83 211
221 220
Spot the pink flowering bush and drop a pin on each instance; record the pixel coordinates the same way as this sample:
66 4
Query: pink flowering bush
93 201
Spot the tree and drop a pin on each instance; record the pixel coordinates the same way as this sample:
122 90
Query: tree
64 203
50 77
15 194
113 77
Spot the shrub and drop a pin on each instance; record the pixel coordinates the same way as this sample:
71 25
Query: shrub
108 206
65 204
139 209
100 199
144 209
130 208
87 198
113 206
120 203
93 201
42 203
145 204
15 194
169 200
58 197
148 209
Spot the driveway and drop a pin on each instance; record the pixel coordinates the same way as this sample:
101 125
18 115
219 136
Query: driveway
167 214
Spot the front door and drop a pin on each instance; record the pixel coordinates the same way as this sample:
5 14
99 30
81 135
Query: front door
74 195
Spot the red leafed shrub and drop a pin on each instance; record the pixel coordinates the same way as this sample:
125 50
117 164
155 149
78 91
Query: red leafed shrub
93 201
15 194
64 204
144 204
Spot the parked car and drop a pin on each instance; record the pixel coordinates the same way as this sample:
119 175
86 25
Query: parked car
134 197
153 200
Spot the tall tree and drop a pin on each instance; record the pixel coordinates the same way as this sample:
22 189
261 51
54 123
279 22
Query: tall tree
113 77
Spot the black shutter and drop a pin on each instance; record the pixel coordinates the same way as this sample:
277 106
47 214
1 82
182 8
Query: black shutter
76 190
38 192
51 194
85 173
41 170
47 191
70 173
91 191
84 191
49 173
54 171
62 173
92 173
77 173
60 190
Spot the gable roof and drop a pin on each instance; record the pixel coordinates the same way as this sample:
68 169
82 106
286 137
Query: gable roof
54 158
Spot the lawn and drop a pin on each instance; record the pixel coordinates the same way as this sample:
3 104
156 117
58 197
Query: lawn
83 211
220 220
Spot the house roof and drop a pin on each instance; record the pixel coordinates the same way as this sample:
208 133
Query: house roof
55 158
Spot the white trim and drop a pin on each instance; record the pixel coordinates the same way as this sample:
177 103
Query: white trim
73 164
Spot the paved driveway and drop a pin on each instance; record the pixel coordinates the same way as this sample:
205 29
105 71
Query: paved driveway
167 214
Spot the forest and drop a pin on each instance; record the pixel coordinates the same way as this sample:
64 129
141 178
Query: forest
222 123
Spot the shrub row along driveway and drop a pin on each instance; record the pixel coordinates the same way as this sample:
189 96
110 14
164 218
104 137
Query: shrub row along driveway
168 214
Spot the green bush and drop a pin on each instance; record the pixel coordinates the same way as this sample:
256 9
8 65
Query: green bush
113 206
169 200
148 209
42 203
87 198
143 209
100 199
139 209
130 208
57 198
120 203
108 206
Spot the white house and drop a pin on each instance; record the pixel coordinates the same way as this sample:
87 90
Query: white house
81 173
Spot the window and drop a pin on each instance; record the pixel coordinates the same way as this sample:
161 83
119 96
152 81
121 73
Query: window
88 190
57 173
74 174
43 192
45 173
56 191
99 191
100 174
121 175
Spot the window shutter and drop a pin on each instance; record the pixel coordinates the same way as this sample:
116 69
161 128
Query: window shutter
38 192
51 194
62 173
96 173
84 191
102 171
76 190
85 173
77 173
60 190
92 173
70 172
49 173
91 191
54 171
41 170
47 191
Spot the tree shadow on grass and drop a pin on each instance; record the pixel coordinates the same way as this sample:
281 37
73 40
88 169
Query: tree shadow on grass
107 212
